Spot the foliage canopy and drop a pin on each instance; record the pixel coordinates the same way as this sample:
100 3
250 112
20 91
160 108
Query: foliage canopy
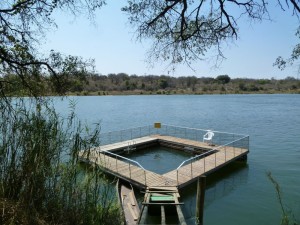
22 25
183 31
295 55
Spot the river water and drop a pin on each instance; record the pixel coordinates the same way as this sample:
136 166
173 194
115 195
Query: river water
240 193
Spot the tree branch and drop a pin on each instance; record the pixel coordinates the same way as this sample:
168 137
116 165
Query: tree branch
296 6
166 9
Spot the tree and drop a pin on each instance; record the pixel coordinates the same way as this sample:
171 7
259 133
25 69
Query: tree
183 31
22 25
224 79
163 83
295 55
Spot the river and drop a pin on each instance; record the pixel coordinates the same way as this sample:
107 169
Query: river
240 193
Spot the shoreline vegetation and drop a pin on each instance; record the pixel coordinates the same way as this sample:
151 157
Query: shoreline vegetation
123 84
42 181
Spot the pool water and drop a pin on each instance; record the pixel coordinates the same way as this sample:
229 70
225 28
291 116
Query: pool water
159 159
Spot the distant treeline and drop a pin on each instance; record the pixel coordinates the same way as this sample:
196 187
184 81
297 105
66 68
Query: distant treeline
122 83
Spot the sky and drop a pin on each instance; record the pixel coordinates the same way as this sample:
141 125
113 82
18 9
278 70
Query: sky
111 42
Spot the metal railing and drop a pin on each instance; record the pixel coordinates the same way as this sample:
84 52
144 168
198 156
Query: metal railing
235 147
116 166
126 134
220 138
223 140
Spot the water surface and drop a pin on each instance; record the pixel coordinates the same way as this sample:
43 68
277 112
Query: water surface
159 159
240 193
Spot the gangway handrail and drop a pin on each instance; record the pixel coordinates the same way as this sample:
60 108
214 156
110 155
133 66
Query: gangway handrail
192 158
212 150
122 157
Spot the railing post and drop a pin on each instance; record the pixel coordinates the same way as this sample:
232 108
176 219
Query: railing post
116 164
104 159
215 159
109 137
234 149
177 178
129 170
145 178
247 144
192 169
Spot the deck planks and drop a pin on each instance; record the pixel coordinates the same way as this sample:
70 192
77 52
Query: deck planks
186 173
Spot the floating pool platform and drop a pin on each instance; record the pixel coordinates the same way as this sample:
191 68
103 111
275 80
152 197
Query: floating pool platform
207 156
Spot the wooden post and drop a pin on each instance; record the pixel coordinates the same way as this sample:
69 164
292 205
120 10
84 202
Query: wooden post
243 158
144 211
200 199
163 215
178 209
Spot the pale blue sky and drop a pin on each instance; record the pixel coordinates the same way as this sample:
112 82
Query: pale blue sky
111 43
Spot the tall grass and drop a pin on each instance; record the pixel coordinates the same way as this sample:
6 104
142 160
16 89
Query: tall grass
41 180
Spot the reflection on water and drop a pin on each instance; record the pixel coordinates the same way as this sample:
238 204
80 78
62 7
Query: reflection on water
218 185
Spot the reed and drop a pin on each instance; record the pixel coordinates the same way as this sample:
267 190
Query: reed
287 217
41 180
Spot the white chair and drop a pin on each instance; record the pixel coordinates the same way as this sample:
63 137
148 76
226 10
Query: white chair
208 137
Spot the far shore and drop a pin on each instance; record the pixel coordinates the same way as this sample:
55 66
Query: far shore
164 92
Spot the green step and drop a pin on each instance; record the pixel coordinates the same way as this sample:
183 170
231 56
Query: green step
161 198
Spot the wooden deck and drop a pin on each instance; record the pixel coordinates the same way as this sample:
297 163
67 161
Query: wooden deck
126 144
142 178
